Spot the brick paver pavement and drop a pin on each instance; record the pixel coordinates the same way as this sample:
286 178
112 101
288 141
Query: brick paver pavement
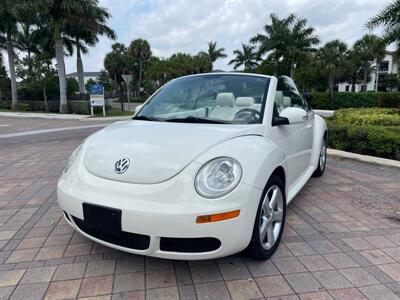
341 241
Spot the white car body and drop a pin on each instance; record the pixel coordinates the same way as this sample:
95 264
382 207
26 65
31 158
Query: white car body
156 194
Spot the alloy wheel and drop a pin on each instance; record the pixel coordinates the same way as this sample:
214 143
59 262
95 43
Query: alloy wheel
322 156
271 217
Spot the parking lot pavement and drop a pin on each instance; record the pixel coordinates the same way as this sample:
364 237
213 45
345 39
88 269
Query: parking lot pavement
341 240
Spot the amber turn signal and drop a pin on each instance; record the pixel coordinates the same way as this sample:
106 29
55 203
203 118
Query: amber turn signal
217 217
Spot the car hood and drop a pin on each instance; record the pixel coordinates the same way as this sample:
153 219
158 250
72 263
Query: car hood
157 151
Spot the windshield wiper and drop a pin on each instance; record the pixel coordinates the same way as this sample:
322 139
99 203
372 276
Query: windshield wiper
192 119
145 118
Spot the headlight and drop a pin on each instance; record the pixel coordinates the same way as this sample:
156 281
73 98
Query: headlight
73 157
218 177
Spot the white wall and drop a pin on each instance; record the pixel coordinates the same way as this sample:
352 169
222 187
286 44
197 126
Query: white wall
392 69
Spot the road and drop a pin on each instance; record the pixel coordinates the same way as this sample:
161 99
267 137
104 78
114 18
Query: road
341 240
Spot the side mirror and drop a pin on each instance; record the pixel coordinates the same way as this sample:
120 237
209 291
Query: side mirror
137 108
295 115
277 121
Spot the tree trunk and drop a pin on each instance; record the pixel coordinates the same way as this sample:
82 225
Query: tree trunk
377 77
61 75
365 77
79 69
331 82
140 76
46 105
121 97
10 53
292 71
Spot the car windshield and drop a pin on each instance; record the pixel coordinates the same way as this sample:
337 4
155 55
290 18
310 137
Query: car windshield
216 98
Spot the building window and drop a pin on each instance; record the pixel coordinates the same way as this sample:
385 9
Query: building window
347 88
384 66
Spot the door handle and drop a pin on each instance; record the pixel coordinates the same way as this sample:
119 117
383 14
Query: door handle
308 126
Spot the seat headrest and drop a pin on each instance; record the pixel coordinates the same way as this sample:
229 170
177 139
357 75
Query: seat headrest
279 97
225 99
245 101
287 101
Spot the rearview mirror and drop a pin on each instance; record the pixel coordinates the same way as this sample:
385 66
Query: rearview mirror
295 115
137 108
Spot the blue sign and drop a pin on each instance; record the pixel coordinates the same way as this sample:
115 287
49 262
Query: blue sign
96 89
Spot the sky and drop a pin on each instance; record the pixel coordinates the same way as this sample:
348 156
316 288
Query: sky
173 26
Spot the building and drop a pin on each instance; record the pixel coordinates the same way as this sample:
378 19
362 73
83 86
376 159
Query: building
386 67
86 75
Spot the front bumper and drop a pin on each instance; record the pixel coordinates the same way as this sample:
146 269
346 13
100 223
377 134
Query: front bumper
164 210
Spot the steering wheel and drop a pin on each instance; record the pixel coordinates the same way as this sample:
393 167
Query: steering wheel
247 114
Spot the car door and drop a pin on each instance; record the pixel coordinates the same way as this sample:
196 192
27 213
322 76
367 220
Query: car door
294 139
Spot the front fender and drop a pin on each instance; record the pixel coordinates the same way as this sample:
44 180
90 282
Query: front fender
259 157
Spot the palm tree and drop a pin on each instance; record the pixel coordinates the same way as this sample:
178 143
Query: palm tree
2 73
8 32
330 60
369 48
140 52
353 68
201 63
247 57
56 16
213 52
286 41
389 17
86 33
26 40
116 63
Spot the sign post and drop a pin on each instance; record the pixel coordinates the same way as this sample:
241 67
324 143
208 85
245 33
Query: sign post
96 92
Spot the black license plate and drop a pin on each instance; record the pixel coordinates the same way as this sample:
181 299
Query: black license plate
102 219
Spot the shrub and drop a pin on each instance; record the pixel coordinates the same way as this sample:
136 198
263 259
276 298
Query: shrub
379 141
368 116
98 110
371 131
390 100
321 100
79 107
5 104
22 106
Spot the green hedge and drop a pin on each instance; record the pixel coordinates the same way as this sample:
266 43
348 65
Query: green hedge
79 107
76 107
368 116
366 131
321 100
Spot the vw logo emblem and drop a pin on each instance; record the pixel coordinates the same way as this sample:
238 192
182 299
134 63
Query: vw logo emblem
121 165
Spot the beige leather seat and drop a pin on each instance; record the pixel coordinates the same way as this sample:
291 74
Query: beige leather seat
242 102
287 102
225 107
279 100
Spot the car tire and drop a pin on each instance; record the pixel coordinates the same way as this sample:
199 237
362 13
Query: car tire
319 171
271 215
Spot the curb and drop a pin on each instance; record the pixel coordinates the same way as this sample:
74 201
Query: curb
324 113
107 118
43 115
62 116
364 158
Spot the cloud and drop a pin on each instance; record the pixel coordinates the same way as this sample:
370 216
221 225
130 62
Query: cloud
186 26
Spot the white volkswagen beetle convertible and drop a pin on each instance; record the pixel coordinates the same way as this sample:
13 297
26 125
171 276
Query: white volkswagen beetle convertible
205 169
